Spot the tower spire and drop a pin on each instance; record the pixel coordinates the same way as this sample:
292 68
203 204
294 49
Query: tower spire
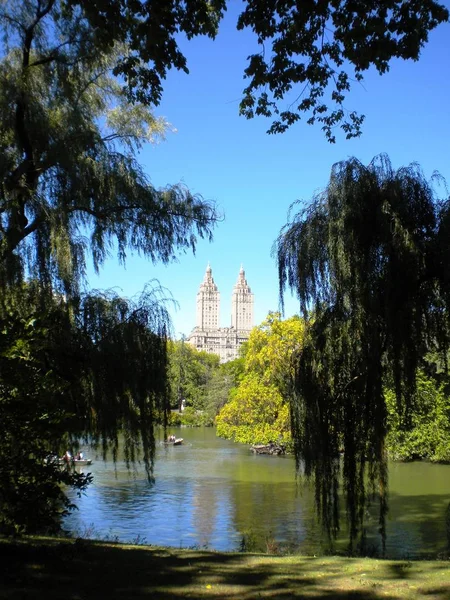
208 302
207 335
242 304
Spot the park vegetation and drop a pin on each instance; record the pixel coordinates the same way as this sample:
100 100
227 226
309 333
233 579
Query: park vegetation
368 258
198 379
75 363
307 56
258 410
426 435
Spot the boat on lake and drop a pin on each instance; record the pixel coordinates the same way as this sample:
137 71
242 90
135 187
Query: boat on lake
76 462
53 459
270 448
175 442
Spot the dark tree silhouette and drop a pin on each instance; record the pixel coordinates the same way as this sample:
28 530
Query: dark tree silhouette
368 260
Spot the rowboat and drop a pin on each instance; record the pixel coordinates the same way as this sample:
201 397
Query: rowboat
269 448
76 462
175 442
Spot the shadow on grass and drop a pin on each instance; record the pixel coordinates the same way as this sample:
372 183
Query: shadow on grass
85 570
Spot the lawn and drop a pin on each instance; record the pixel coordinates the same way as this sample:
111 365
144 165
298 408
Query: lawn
51 569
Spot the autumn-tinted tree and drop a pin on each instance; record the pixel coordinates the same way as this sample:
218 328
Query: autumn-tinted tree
258 410
368 260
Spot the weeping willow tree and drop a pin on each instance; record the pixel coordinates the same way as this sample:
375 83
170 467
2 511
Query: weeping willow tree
91 375
75 365
69 176
368 259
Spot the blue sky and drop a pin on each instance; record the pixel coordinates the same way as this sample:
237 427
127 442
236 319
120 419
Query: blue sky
254 177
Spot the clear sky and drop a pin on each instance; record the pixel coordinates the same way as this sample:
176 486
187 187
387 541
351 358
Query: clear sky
254 177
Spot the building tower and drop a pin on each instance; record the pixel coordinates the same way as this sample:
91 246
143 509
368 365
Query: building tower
208 303
207 335
242 304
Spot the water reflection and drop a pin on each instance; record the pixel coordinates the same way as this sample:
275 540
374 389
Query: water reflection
212 493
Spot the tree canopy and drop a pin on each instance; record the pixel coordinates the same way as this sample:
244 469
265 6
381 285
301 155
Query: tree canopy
312 52
258 409
368 260
69 377
189 372
78 81
71 188
308 55
427 435
76 365
70 181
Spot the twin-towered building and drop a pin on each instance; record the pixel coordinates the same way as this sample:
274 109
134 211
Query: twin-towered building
208 336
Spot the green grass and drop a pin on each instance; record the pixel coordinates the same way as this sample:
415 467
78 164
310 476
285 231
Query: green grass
85 570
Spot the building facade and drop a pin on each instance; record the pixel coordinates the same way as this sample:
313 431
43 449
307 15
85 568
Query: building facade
207 335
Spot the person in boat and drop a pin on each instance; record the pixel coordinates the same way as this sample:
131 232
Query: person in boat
79 456
67 457
171 438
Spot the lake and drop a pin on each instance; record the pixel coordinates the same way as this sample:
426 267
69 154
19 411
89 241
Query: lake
214 494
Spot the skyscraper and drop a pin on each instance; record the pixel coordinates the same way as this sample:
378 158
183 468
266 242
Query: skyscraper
242 304
208 303
207 335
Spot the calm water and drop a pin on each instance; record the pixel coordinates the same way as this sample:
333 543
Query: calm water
213 493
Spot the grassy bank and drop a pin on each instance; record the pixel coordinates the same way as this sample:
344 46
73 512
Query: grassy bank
84 570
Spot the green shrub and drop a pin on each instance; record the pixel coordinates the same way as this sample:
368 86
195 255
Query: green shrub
427 436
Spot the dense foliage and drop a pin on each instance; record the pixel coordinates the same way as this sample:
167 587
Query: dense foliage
427 434
70 181
258 410
63 382
198 379
255 414
368 259
190 372
72 190
76 365
307 59
312 50
34 412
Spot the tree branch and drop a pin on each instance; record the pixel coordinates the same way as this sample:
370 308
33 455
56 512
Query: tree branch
4 15
14 236
121 208
54 54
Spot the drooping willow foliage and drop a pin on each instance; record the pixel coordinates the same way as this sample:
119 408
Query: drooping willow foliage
73 191
95 373
126 386
75 365
368 259
70 182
